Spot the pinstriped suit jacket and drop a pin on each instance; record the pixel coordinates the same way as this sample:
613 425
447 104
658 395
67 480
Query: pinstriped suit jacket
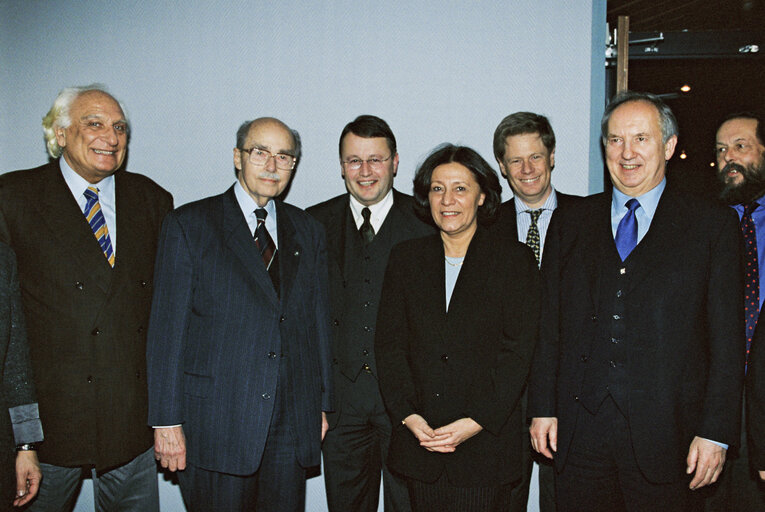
217 327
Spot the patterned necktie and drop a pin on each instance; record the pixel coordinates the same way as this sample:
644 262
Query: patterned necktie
532 236
263 240
366 229
95 218
752 275
626 233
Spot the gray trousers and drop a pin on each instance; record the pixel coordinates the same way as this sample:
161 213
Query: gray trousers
131 487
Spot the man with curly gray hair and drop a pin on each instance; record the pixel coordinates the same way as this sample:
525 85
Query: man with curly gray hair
86 303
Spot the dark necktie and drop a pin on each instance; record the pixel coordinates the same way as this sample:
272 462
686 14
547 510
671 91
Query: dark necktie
751 275
532 235
366 229
626 233
97 221
263 240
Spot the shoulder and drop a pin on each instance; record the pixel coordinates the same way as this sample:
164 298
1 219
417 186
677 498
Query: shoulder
299 217
327 210
28 177
566 200
141 183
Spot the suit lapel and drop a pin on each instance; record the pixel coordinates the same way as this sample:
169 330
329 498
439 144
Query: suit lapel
600 239
67 227
430 280
290 250
473 275
240 241
336 233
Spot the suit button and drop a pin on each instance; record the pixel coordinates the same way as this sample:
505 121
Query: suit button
584 358
266 396
78 285
96 331
138 375
622 271
336 322
366 258
444 357
367 303
281 319
90 379
335 361
367 281
617 317
615 340
594 318
140 329
618 293
272 355
612 364
576 398
143 283
365 352
367 329
437 395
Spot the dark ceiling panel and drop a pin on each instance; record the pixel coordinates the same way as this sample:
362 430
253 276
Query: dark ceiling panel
692 15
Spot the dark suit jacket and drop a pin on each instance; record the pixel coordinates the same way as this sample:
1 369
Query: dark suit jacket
17 397
755 398
86 321
683 314
218 330
334 215
471 362
507 215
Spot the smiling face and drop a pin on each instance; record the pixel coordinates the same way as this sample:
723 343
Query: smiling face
263 182
454 199
369 186
95 143
528 165
636 156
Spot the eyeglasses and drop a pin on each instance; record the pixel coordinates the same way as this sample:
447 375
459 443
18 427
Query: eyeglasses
373 163
259 156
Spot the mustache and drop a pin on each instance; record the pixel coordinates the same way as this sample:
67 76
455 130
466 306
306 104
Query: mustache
269 176
732 166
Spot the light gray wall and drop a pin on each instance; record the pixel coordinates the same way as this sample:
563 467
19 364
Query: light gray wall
190 72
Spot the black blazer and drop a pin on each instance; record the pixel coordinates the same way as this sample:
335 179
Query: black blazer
334 215
469 362
218 332
86 321
755 396
684 325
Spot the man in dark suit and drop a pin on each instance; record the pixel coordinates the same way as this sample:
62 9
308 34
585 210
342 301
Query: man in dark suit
740 149
87 299
238 350
635 386
362 226
524 146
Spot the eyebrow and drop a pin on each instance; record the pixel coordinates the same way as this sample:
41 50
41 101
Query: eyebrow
290 152
100 116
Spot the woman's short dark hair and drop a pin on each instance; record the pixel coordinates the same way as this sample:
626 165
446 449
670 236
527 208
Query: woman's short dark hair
484 174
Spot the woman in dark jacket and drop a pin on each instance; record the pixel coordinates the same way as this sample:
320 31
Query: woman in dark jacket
455 335
21 429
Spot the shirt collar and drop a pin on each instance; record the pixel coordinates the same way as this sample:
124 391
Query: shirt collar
378 210
248 205
648 201
551 203
77 184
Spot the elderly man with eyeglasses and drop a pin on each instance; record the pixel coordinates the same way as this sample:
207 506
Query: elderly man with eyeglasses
238 349
362 226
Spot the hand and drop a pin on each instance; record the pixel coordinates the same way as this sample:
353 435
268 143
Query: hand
544 435
707 459
762 475
448 437
170 448
421 430
324 425
28 477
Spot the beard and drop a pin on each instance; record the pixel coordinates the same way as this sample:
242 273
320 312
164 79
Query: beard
750 188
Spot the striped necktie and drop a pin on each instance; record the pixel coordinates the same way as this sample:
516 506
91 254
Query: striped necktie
97 222
263 240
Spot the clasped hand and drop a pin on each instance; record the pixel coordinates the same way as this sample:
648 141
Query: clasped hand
443 439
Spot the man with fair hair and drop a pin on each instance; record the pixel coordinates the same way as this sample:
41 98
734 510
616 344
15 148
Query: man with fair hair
636 382
238 347
86 302
524 147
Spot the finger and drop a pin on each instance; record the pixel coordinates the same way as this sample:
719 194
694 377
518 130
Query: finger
698 476
553 441
182 462
762 475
